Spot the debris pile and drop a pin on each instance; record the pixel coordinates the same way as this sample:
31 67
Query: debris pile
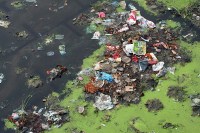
143 52
194 13
22 34
39 120
34 81
4 24
170 126
195 104
154 105
56 72
177 93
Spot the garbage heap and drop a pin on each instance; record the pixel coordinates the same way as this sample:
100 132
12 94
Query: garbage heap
38 120
142 53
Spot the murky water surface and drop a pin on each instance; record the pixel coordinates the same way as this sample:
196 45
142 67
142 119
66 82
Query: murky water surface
40 22
17 52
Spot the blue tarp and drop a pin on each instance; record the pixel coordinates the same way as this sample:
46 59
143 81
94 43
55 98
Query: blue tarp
105 76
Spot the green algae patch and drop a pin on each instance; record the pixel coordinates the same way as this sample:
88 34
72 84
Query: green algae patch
173 24
120 9
178 4
91 60
120 118
143 4
55 94
8 125
17 4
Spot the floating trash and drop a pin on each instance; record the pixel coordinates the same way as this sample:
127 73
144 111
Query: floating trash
40 48
50 53
1 77
33 1
4 24
62 49
59 37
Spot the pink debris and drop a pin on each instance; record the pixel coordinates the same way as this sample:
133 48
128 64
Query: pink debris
80 78
132 18
151 24
102 15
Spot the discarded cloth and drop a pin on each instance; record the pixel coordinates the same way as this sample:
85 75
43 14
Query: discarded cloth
161 73
158 66
171 70
143 64
103 102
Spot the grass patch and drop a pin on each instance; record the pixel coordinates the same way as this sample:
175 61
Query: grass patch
91 60
178 4
173 24
8 125
143 4
120 9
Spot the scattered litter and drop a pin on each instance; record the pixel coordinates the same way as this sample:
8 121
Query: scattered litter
132 18
86 72
59 37
158 66
154 105
170 126
39 120
62 49
132 7
171 70
162 72
122 4
81 109
138 48
56 72
50 53
40 48
195 99
32 1
177 93
34 81
22 34
1 77
4 24
101 14
103 102
96 35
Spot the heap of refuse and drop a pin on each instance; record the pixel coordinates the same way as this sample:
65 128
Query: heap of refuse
195 103
144 51
56 72
38 120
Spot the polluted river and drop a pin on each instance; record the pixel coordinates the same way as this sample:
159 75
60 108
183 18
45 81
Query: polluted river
47 36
